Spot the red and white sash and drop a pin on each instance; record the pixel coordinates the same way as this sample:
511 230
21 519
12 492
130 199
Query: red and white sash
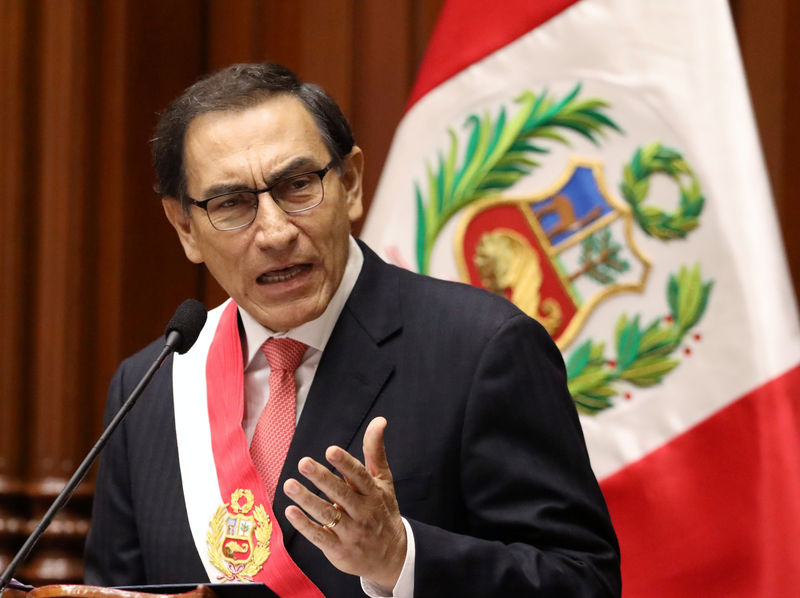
230 517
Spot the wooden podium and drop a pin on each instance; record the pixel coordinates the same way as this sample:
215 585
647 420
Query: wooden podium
210 590
81 591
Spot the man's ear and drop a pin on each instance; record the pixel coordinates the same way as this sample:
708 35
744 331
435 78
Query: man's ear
352 176
184 226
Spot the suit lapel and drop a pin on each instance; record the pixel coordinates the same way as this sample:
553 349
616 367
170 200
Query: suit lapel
350 376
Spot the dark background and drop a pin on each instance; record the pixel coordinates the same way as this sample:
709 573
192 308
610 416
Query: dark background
91 271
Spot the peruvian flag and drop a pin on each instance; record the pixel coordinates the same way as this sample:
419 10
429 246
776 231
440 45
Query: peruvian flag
596 162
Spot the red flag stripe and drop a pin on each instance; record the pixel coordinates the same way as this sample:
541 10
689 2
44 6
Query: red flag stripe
716 512
467 31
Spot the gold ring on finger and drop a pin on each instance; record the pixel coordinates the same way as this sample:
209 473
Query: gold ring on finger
332 523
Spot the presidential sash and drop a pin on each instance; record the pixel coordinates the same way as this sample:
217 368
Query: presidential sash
230 516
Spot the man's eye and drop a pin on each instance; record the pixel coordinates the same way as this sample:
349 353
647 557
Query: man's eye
299 183
232 201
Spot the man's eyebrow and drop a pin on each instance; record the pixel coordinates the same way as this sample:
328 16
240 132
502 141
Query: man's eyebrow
297 165
223 188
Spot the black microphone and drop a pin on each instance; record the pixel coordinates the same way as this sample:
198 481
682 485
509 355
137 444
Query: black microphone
182 332
185 326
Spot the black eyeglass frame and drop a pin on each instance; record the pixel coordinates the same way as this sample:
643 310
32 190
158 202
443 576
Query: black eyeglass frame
203 204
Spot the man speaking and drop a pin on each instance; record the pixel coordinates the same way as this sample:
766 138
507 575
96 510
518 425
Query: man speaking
341 427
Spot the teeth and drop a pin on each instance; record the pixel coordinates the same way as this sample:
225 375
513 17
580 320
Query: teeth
285 274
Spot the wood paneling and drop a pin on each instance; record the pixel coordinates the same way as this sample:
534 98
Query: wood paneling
91 269
62 214
771 55
788 186
15 62
164 52
375 116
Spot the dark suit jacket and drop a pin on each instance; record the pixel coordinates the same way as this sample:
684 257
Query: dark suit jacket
484 443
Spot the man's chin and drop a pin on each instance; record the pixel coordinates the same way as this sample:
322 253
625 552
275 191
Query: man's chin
287 316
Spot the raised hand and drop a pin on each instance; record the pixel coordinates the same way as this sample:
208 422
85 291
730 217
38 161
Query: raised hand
359 528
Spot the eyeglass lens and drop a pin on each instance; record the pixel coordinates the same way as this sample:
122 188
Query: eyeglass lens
294 194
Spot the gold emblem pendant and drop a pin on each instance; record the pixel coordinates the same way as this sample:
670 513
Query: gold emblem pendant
238 537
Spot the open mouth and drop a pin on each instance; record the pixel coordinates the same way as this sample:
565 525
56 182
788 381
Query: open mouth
283 274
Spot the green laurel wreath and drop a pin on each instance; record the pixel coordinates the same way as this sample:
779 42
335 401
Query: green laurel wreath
656 158
643 355
499 152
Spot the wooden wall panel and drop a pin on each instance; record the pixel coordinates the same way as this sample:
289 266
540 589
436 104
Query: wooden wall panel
423 15
788 185
14 308
86 258
381 84
771 54
165 52
111 117
235 31
762 38
56 252
326 52
59 179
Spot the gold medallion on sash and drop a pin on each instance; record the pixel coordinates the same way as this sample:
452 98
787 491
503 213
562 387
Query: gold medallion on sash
238 537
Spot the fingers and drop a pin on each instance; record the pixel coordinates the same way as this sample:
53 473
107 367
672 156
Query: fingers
357 480
356 521
332 486
358 477
320 509
320 536
354 473
375 450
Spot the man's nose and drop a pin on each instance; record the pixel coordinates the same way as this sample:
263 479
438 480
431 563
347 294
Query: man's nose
274 227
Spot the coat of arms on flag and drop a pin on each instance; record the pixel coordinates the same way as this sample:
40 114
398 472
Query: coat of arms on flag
558 253
554 255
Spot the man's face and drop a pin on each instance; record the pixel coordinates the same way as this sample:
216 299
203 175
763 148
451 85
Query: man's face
283 269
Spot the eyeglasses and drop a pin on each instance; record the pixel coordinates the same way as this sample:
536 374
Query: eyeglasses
294 194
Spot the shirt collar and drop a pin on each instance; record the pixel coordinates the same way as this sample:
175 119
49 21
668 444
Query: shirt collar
316 332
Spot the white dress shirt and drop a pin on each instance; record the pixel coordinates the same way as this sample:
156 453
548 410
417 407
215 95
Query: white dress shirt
315 334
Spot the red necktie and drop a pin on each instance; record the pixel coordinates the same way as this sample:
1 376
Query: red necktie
276 424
